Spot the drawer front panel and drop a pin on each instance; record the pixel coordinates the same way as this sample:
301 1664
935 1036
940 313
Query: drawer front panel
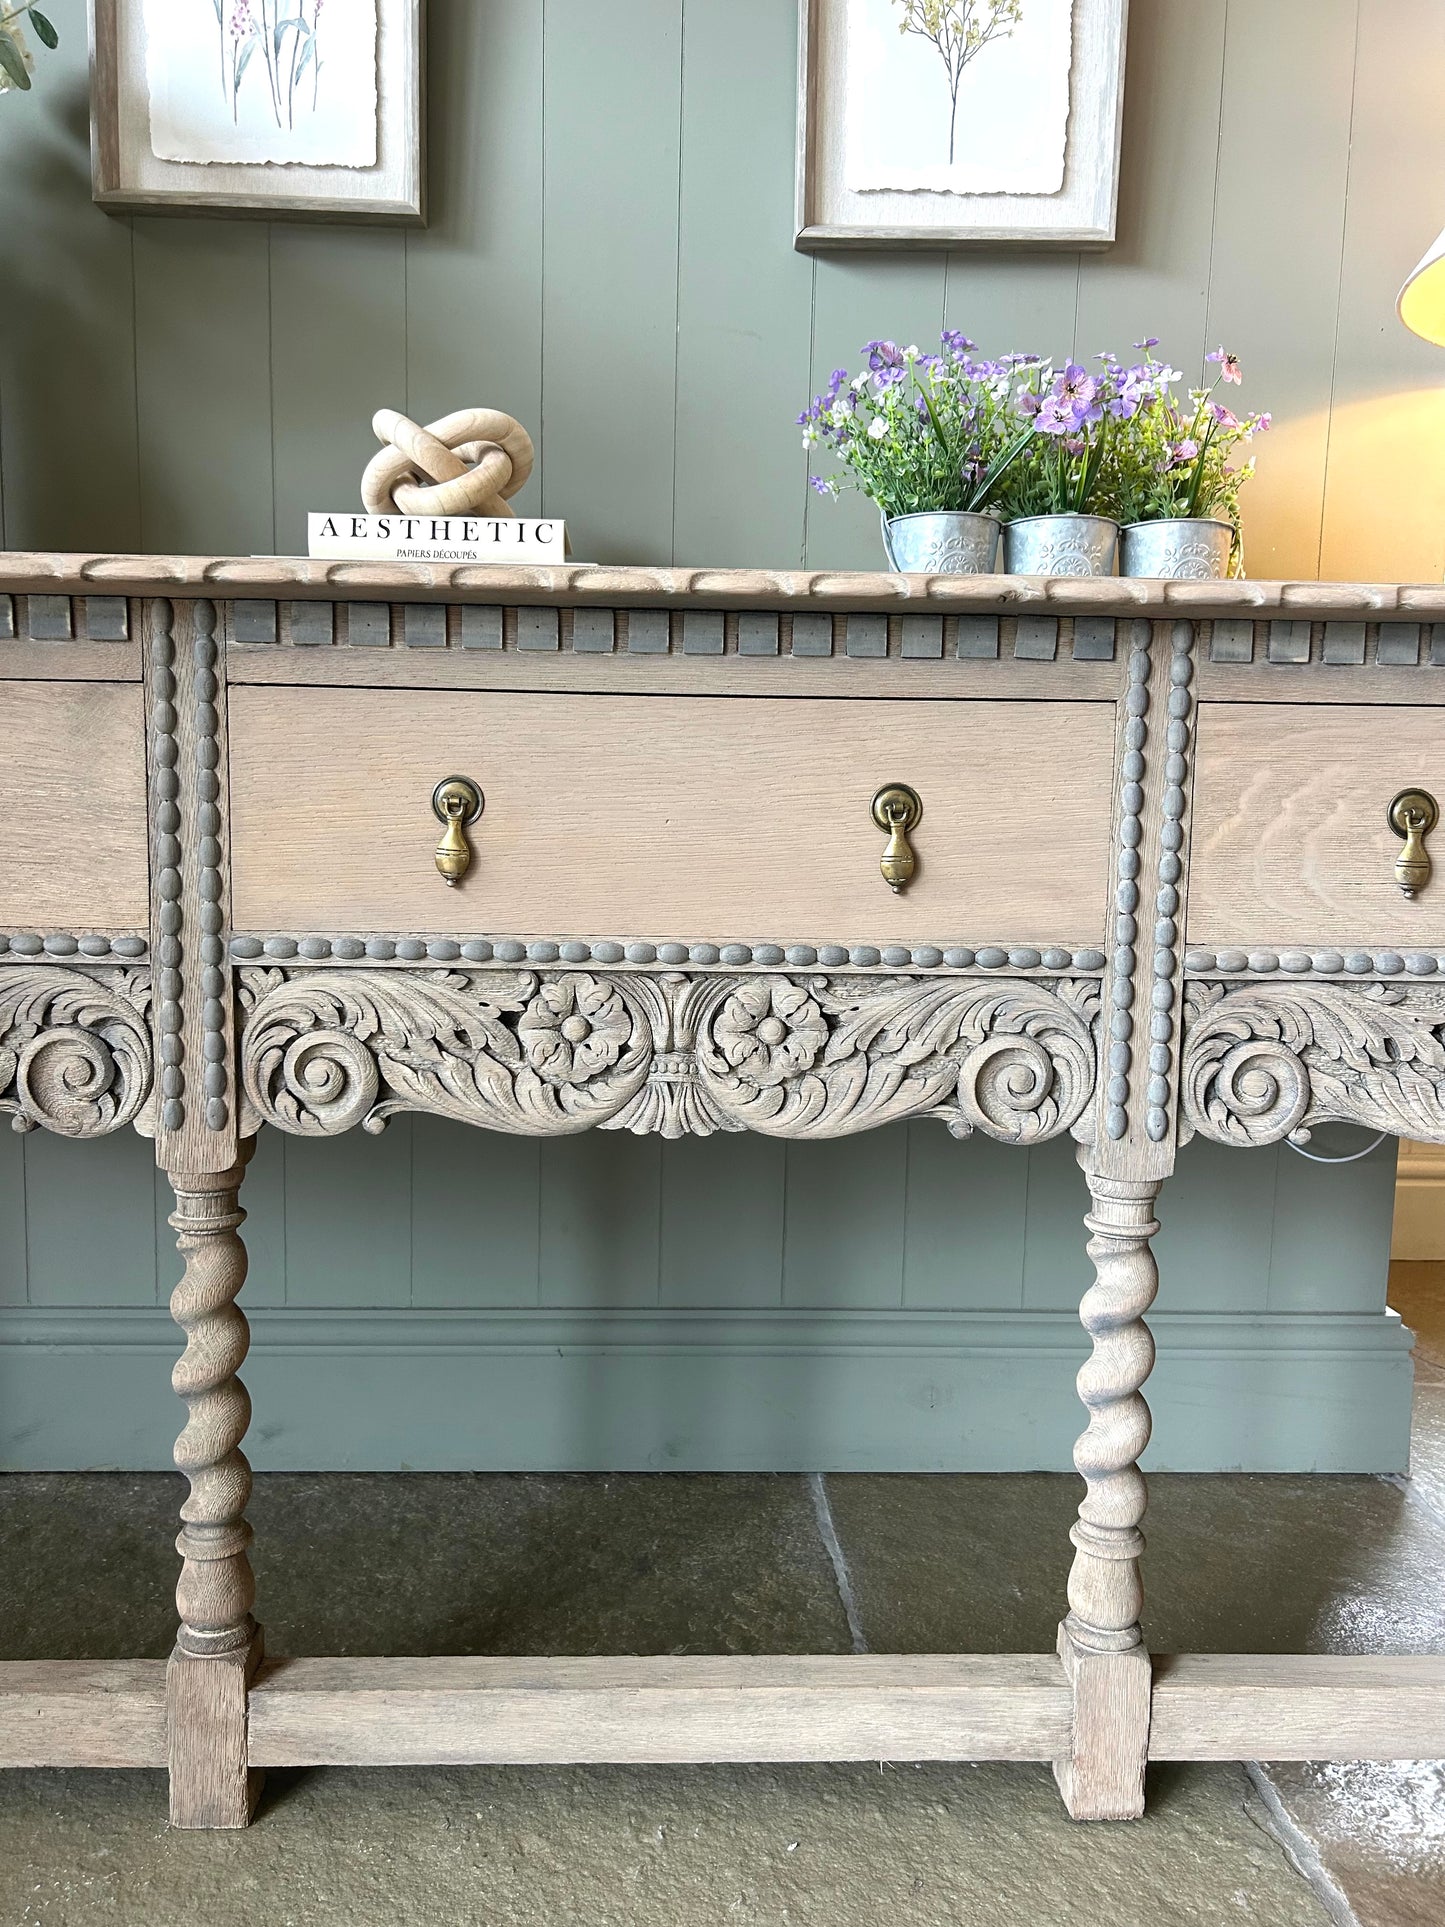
1290 839
72 807
683 817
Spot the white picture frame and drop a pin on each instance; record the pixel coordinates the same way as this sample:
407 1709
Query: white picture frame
127 174
831 213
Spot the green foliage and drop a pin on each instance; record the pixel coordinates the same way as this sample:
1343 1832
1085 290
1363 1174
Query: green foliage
16 61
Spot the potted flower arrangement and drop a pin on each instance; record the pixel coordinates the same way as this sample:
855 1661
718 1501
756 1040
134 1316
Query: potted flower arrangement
1061 519
16 60
932 439
1170 479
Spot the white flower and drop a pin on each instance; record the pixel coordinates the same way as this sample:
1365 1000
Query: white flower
877 428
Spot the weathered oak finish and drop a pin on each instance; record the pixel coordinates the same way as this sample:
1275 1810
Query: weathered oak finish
397 1712
768 833
1292 837
72 803
81 1712
676 924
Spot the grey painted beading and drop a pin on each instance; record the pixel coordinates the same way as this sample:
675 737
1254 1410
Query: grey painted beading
316 948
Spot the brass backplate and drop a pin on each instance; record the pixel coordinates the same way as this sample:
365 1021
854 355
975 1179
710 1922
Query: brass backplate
453 791
897 806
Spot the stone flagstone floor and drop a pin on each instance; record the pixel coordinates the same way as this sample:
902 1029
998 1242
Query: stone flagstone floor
668 1563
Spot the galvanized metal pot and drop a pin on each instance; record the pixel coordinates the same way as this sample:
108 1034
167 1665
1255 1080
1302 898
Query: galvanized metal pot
1061 545
1191 548
941 542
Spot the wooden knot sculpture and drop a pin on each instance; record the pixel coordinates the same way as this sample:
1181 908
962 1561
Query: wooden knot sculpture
467 463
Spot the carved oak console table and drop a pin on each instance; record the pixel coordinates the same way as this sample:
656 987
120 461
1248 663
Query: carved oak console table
307 844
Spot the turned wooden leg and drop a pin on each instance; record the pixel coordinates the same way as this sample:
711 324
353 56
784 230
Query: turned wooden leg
1102 1776
218 1646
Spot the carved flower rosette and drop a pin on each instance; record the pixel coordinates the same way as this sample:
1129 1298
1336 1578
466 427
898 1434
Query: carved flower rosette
552 1052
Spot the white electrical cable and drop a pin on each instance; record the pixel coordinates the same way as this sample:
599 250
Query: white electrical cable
1351 1157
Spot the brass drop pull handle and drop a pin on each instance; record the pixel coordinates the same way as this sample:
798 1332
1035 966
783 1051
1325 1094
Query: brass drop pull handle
1412 815
897 809
457 803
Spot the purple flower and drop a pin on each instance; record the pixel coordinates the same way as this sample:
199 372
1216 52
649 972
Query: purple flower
885 358
822 487
1149 341
1055 417
1183 451
1028 404
957 344
1224 416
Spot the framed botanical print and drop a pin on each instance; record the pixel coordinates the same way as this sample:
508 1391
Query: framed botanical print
930 122
275 108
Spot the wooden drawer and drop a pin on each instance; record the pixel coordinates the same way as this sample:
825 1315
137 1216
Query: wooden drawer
72 807
662 816
1290 839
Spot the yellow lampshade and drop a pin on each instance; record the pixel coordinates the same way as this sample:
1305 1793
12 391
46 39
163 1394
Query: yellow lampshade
1422 299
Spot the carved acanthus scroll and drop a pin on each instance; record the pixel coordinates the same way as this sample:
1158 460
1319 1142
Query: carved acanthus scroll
75 1049
1267 1061
552 1052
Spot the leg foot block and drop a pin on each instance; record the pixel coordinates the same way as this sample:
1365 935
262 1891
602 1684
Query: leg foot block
211 1782
1102 1775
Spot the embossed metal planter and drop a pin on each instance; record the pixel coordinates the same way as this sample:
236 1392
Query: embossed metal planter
1189 548
942 542
1061 545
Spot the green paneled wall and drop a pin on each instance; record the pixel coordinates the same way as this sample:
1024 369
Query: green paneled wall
610 258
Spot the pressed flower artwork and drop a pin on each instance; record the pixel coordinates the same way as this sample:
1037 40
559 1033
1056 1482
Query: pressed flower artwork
958 96
244 81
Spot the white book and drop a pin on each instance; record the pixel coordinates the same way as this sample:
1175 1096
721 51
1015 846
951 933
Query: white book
344 537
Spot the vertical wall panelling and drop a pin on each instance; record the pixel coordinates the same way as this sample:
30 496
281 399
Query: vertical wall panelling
744 296
857 298
723 1203
105 1254
843 1242
475 1209
1218 1260
12 1219
327 382
609 303
1274 286
1026 303
1155 279
348 1219
1385 481
474 276
964 1227
601 1208
67 347
203 384
1332 1222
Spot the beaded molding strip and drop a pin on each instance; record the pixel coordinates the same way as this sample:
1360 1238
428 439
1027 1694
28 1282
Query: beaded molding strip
1297 962
88 946
248 948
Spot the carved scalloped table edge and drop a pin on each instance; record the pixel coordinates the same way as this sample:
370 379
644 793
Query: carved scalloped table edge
75 1050
550 1052
1265 1062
